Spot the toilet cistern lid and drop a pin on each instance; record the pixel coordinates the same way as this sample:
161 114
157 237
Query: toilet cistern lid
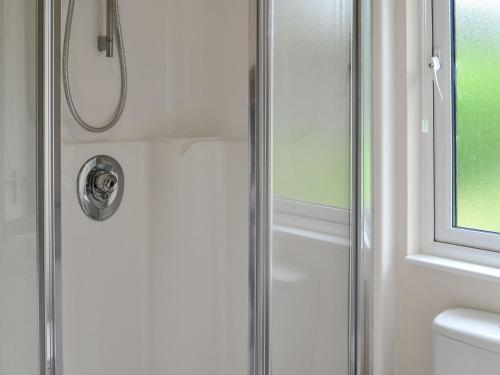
473 327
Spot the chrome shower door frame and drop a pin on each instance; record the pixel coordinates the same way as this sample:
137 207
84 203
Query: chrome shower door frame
260 135
49 183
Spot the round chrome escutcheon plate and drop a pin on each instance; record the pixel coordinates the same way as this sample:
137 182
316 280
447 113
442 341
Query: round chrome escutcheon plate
100 187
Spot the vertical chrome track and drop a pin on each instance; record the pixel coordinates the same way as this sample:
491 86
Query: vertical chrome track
364 210
360 301
360 293
355 202
260 202
48 181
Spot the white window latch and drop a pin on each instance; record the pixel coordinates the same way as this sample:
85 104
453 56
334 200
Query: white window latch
435 65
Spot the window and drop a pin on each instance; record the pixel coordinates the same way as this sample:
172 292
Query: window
464 62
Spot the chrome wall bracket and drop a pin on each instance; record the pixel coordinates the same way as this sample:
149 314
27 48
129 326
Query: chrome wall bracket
105 42
100 187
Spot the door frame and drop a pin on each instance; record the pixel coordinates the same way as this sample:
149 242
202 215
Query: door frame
49 183
260 150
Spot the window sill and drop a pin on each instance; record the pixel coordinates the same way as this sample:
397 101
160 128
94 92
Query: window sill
454 266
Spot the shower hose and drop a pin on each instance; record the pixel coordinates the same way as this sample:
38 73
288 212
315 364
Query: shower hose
123 72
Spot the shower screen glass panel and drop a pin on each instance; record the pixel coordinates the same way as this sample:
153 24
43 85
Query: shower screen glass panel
19 351
311 126
311 101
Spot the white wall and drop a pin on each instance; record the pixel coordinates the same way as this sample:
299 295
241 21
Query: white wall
105 268
95 79
187 69
206 67
423 294
420 293
161 287
198 259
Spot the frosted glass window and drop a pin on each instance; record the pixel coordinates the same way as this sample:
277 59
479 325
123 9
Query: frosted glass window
311 101
477 114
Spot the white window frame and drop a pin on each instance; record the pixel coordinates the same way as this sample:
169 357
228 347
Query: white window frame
439 236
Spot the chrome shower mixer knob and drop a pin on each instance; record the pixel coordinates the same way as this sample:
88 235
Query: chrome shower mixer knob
104 184
100 187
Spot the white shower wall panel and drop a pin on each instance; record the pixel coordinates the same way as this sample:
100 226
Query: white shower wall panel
162 286
310 302
187 64
199 253
95 79
206 65
105 270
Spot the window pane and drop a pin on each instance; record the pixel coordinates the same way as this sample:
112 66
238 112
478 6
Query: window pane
311 101
477 114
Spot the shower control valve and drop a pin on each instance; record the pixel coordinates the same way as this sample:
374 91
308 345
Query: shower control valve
104 183
100 185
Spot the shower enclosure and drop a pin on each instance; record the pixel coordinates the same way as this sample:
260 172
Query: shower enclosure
218 221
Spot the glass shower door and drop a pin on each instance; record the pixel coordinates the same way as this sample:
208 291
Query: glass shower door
158 290
19 311
311 124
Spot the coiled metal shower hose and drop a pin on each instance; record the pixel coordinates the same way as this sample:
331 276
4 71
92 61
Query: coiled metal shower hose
123 72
